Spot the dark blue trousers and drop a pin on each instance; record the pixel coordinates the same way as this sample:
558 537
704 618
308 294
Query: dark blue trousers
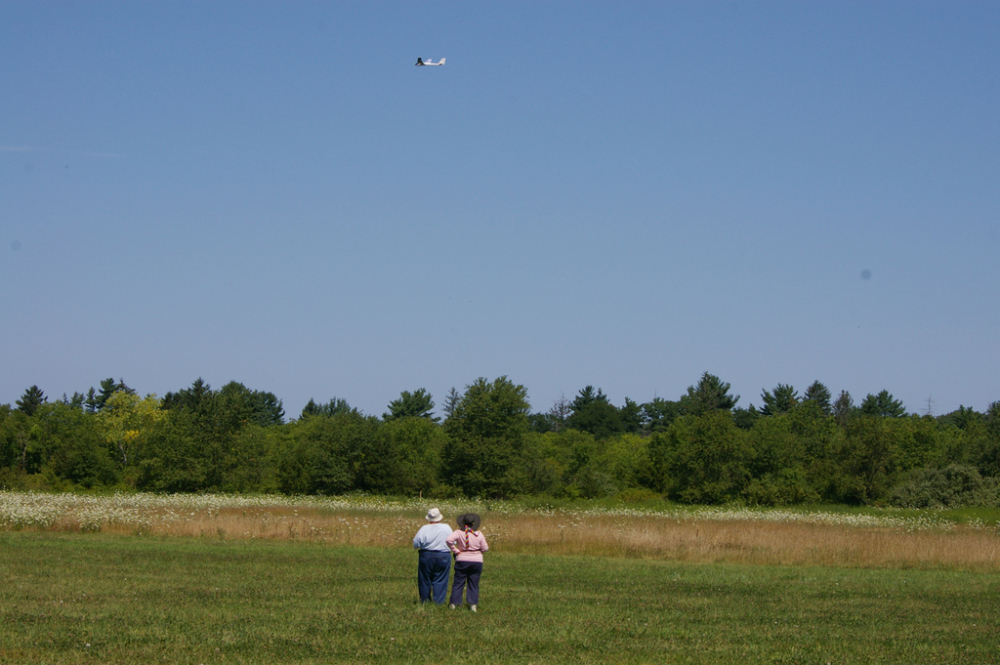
432 575
466 573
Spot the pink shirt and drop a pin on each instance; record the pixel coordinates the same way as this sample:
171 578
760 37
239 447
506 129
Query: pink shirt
474 552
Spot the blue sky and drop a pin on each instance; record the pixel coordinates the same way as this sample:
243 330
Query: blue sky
585 194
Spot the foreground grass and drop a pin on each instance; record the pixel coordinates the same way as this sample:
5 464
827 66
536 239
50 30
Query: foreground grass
98 598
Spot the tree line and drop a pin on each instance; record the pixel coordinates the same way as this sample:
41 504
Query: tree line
700 448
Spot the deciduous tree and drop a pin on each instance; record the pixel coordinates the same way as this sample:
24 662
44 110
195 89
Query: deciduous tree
401 457
659 414
700 459
70 447
486 437
125 420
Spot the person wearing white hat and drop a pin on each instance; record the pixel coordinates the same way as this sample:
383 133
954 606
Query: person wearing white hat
434 562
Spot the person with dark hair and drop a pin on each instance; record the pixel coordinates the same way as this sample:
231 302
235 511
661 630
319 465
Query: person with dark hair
433 564
467 543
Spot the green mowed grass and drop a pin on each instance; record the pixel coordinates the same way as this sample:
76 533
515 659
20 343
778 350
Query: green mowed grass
72 598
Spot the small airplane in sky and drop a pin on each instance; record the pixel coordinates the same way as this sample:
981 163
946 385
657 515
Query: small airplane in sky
429 63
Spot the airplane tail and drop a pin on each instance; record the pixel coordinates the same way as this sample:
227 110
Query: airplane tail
442 61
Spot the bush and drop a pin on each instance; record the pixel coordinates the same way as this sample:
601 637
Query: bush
595 484
955 486
638 495
443 491
788 486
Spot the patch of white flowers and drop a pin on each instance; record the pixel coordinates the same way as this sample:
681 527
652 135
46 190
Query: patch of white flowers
818 517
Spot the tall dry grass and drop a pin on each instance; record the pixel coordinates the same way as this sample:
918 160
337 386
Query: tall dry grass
697 535
649 537
756 542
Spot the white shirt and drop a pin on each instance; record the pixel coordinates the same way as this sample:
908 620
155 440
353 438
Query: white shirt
433 537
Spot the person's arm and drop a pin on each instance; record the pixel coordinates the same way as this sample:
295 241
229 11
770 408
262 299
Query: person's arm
418 540
453 540
485 546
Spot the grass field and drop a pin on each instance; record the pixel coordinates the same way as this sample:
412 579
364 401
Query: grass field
226 579
100 598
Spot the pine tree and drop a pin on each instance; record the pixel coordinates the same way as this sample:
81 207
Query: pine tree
451 402
820 394
843 408
779 400
32 398
883 405
710 394
417 404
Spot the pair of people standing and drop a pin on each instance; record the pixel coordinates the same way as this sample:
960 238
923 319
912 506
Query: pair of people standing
437 543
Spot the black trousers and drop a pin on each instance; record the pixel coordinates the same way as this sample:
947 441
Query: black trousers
466 572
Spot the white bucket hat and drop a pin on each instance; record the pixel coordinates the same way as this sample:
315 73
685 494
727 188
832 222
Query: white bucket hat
434 515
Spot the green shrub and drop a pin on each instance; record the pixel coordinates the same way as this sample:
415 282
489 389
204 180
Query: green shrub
638 495
786 487
595 484
955 486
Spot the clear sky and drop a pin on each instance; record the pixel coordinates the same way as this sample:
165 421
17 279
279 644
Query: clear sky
623 195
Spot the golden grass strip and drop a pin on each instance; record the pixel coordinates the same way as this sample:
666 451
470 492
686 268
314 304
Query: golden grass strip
710 536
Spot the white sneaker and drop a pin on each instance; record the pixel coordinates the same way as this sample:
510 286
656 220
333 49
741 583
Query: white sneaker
472 607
